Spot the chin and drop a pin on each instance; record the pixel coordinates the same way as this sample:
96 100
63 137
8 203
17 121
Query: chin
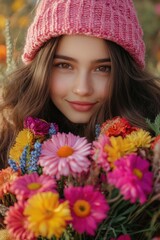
78 121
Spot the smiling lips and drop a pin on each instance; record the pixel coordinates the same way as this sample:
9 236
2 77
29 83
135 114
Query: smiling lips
81 106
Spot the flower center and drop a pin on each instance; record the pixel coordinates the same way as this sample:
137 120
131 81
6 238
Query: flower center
138 173
48 214
82 208
34 186
65 151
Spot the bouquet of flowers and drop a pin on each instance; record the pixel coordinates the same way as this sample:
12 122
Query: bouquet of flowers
60 186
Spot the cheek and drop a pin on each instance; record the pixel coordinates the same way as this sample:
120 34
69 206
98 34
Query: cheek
102 89
58 86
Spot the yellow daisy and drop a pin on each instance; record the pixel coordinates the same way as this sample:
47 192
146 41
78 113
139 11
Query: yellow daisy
24 138
118 148
140 138
16 152
46 215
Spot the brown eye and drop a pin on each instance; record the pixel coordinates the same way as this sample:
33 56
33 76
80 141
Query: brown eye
104 69
64 65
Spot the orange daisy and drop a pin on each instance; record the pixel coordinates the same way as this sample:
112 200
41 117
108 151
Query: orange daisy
7 176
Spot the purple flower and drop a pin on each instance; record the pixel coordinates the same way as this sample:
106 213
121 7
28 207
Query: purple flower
37 126
132 177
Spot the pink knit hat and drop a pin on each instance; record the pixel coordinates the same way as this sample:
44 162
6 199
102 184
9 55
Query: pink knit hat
114 20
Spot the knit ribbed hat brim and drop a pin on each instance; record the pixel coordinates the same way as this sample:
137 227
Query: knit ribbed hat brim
114 20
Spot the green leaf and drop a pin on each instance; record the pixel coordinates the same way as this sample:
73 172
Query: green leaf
155 126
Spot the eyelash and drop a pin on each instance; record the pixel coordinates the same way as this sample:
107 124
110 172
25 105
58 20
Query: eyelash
63 66
103 68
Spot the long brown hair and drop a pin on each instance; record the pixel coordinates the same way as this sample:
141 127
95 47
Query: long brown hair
133 94
25 93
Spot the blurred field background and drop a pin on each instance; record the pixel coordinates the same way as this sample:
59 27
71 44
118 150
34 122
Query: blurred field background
19 13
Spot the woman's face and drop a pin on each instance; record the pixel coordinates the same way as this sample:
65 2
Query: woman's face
80 76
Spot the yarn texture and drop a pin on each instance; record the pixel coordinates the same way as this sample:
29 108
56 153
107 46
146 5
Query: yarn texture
114 20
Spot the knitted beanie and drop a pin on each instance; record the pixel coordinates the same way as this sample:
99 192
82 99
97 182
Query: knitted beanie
114 20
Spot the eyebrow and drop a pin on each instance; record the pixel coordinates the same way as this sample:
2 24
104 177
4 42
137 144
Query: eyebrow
75 60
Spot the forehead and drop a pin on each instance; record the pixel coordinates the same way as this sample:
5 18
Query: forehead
81 46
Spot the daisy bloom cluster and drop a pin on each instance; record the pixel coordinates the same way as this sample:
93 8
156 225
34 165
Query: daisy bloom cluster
43 211
38 210
67 188
116 151
25 152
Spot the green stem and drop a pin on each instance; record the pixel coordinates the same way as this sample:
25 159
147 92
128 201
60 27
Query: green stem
114 199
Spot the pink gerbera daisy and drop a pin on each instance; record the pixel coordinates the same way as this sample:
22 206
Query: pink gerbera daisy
88 208
132 176
17 223
26 186
99 155
65 154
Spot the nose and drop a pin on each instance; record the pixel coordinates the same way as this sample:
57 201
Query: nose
83 84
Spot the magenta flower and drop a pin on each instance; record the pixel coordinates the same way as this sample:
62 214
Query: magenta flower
37 126
27 185
64 155
99 155
17 223
132 177
122 237
88 208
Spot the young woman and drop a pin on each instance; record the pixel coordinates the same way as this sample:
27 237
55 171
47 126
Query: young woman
84 62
